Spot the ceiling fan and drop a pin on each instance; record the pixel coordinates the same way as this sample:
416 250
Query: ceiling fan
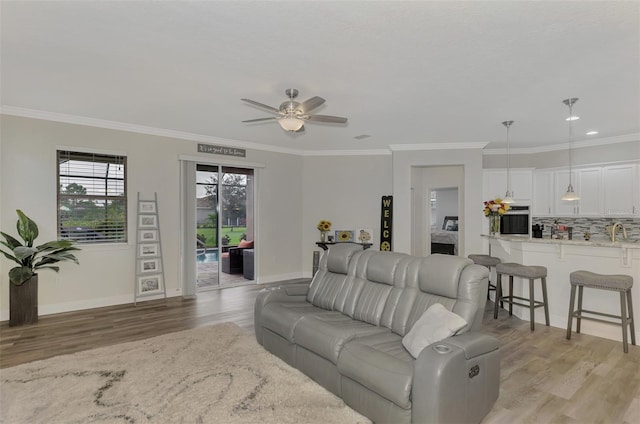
292 114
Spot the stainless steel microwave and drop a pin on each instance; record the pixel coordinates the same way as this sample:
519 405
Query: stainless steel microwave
515 221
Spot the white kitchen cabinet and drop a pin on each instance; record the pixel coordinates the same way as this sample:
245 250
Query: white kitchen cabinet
543 192
587 183
495 184
612 190
590 192
621 190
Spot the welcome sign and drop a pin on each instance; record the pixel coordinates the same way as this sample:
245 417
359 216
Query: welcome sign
385 223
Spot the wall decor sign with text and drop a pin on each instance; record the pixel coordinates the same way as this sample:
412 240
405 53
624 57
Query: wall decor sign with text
221 150
385 223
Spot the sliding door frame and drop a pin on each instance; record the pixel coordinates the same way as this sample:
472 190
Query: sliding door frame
188 267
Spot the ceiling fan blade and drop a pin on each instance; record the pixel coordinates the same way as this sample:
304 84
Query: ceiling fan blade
312 103
261 119
326 118
261 105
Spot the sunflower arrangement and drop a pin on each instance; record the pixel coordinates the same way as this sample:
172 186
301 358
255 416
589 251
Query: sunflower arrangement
324 225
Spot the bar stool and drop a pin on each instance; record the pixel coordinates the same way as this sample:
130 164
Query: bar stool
489 262
531 273
617 282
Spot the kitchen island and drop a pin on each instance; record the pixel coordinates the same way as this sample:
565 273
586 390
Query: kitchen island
561 257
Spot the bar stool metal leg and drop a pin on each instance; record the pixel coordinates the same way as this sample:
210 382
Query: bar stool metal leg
632 326
579 315
510 295
623 309
532 311
572 300
498 295
546 301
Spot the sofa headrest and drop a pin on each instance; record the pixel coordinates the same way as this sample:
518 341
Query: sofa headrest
382 267
440 274
339 255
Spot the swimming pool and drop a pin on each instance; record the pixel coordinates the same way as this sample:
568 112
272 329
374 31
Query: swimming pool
207 257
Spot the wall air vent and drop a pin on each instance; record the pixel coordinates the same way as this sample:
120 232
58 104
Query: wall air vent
362 136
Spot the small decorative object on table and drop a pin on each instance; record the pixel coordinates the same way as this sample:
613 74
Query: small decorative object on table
343 236
324 227
364 235
493 209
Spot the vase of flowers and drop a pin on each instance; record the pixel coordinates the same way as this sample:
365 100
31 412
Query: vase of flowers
493 209
324 227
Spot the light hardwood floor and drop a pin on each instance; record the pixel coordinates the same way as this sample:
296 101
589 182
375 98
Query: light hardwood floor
545 378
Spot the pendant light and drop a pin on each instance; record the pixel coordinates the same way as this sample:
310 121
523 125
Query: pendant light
570 195
508 197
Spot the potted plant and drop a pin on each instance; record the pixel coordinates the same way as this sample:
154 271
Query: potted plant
23 288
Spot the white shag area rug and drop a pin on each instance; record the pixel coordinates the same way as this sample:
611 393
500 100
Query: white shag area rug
215 374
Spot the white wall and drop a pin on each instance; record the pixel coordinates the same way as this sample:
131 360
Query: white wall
346 190
106 273
404 162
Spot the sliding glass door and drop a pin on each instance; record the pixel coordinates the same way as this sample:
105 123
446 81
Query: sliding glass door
224 226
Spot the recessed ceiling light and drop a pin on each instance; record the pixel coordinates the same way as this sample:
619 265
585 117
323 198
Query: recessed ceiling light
592 133
573 118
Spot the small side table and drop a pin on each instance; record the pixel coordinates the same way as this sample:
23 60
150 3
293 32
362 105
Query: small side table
325 244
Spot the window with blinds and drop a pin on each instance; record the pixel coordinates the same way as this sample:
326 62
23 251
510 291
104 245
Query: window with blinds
92 197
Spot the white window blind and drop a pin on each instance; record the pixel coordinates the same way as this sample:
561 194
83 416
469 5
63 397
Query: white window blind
92 197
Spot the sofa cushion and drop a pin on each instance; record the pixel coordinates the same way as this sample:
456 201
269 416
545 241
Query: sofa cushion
434 325
247 244
381 364
326 334
332 275
282 317
440 274
374 275
371 303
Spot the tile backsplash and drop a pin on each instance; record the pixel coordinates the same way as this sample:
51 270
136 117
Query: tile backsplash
596 226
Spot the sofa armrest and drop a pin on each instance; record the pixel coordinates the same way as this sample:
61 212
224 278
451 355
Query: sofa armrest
456 380
286 293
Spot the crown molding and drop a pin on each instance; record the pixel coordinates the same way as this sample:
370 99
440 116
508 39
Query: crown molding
436 146
369 152
565 146
140 129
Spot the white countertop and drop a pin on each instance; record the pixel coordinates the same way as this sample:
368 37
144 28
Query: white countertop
593 242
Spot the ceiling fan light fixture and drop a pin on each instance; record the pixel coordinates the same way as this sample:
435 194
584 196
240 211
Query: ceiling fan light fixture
291 123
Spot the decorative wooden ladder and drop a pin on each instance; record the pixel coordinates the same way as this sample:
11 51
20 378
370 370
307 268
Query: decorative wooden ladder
149 279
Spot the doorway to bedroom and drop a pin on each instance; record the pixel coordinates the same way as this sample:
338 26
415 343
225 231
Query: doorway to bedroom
224 226
437 220
443 219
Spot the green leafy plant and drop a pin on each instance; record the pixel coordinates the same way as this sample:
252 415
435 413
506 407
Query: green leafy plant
30 258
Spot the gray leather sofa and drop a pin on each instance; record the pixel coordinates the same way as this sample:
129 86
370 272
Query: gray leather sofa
345 331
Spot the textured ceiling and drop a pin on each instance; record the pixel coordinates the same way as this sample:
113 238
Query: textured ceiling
405 73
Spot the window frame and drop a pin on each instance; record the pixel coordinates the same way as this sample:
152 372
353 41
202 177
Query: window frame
63 154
